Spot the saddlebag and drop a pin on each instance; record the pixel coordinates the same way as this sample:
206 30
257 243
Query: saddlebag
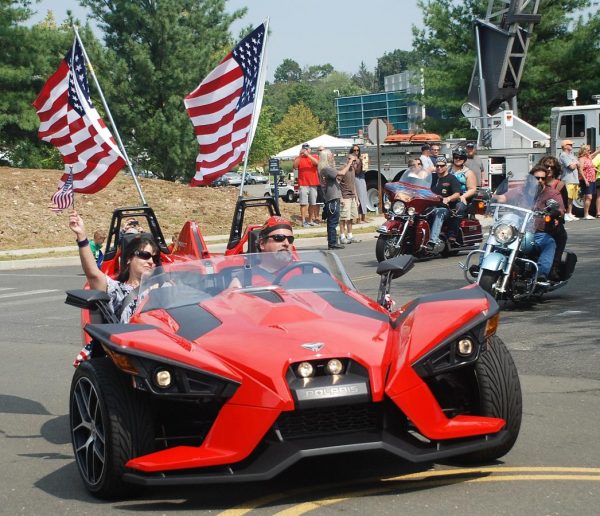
567 264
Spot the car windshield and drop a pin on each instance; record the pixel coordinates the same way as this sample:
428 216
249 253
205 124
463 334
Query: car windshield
180 284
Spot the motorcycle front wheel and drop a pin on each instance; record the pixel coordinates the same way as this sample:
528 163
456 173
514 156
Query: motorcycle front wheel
385 248
487 280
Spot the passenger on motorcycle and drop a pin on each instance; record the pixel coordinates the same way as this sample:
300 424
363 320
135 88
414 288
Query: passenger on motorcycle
535 189
448 187
468 188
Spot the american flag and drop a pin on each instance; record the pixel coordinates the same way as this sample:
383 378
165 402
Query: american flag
221 108
63 197
69 121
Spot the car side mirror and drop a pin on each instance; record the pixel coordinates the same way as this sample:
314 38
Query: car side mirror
93 300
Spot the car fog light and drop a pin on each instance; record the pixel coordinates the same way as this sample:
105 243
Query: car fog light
465 347
163 378
334 366
305 369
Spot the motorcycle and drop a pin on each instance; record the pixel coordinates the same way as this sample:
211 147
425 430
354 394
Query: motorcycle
507 267
407 204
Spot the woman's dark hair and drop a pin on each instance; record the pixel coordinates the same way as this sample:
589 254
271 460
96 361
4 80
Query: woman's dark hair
538 168
354 147
138 242
551 164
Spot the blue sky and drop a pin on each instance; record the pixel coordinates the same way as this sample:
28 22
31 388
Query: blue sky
311 32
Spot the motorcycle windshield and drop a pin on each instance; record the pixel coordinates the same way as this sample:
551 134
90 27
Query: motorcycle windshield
516 204
412 185
175 285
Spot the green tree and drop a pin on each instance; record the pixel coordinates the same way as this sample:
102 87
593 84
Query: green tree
298 124
266 141
445 47
288 71
157 53
365 79
29 56
316 72
393 62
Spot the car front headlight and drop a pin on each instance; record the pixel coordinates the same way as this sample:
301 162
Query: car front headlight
399 208
504 233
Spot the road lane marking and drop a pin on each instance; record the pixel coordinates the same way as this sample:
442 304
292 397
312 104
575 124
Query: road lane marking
8 304
433 478
27 293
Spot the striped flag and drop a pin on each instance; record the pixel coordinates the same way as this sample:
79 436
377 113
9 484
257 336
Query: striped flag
221 108
63 197
69 121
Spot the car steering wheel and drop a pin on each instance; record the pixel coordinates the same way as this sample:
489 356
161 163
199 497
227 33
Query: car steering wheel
306 267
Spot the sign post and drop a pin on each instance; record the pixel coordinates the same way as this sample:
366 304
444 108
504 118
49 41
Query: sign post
378 132
275 171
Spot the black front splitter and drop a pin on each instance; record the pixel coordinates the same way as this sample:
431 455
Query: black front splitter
279 456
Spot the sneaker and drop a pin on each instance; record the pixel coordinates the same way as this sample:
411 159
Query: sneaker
569 217
344 240
311 223
354 240
305 224
336 246
316 222
588 217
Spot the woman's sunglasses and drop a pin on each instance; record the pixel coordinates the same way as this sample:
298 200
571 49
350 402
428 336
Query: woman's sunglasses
281 238
146 255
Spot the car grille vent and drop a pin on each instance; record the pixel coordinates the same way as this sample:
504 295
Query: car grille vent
329 421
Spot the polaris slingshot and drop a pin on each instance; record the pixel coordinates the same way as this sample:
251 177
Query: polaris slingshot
214 384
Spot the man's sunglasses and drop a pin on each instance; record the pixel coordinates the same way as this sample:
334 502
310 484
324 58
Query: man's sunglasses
146 255
540 178
440 166
281 238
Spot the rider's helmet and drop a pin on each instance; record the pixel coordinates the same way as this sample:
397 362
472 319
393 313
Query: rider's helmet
459 152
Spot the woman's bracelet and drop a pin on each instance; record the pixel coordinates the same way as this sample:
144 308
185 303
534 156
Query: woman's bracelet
83 243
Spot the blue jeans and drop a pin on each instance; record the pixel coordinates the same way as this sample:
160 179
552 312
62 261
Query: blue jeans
436 219
461 209
547 246
332 210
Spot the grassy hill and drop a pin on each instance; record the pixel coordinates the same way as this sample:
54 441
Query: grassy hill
26 221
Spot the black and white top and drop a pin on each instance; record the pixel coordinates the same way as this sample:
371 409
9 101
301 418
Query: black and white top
118 292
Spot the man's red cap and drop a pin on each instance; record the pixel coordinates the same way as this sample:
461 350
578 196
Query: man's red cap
274 223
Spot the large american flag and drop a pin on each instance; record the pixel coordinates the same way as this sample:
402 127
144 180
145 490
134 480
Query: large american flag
69 121
221 108
63 197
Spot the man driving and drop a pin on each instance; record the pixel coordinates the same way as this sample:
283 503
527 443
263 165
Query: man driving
275 241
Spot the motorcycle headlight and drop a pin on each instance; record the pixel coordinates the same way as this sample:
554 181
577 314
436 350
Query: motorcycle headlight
411 211
387 205
398 208
504 233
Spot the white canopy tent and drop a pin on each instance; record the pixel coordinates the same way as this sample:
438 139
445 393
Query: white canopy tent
324 140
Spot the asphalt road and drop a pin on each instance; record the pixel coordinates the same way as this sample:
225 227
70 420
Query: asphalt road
553 469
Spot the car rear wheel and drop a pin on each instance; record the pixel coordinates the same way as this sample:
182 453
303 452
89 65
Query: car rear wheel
110 423
289 196
499 396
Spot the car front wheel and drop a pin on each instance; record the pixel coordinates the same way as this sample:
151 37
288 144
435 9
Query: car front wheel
110 423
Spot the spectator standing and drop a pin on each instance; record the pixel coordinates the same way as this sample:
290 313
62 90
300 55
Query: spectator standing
332 193
349 206
425 159
96 246
474 162
569 175
588 175
308 181
361 183
435 152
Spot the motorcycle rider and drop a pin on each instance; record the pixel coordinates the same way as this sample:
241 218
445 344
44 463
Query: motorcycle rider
447 186
468 188
535 189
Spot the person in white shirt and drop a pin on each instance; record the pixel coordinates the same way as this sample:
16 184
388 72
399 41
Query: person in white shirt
426 162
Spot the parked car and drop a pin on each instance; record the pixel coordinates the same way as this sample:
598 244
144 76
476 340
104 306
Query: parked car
254 178
232 178
220 181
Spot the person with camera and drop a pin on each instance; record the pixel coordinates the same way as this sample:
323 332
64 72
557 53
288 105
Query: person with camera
332 193
308 181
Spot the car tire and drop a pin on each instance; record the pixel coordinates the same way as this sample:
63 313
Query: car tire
110 423
289 196
499 396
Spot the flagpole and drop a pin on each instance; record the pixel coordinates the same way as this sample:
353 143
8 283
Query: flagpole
112 122
259 94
